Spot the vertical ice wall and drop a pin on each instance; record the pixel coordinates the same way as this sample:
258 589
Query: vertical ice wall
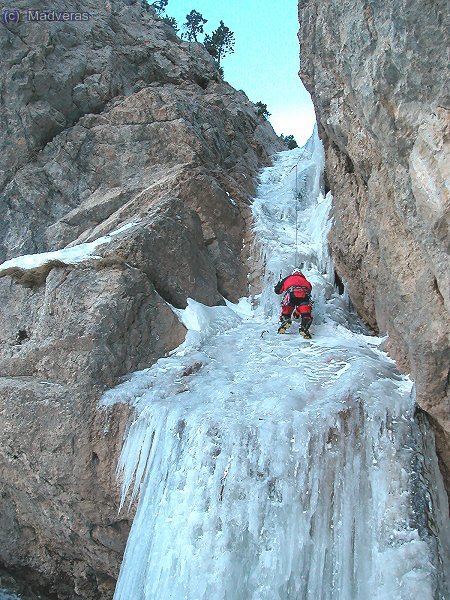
271 468
291 217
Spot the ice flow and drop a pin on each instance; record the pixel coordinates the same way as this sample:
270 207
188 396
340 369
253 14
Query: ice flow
268 467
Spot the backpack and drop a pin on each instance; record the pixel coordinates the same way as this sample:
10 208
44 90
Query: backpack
297 294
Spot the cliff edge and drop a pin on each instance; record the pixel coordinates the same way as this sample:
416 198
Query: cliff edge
377 76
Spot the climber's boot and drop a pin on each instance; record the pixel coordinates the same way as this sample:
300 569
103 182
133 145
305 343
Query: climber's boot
284 326
304 333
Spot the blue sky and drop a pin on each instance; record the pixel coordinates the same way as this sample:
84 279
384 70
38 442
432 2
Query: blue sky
265 62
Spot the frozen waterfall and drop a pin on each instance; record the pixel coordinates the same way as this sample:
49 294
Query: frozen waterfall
269 467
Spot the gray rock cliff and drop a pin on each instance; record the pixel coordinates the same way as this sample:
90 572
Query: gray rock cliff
377 72
104 123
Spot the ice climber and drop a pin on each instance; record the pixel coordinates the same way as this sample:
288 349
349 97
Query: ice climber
296 303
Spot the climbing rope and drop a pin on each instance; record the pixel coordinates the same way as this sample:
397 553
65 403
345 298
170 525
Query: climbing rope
296 205
296 216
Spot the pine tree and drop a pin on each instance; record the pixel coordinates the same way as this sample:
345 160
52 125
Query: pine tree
194 25
262 110
172 22
160 6
290 141
220 42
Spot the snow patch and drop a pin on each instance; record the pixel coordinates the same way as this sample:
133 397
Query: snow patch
68 255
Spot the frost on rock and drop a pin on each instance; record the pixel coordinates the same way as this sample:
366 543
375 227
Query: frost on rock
268 467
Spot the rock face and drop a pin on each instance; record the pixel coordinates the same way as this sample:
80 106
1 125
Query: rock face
104 123
377 75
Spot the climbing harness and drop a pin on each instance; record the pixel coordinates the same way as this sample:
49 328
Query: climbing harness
297 293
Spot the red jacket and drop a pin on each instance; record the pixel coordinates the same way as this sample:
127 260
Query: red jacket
292 280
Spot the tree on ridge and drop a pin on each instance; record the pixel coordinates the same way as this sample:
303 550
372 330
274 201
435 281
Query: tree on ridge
263 110
290 141
194 25
160 6
220 42
172 22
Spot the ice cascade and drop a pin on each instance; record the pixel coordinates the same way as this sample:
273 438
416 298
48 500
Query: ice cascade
269 467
